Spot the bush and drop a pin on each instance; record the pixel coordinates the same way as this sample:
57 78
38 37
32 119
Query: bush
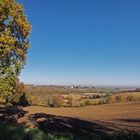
87 103
102 101
118 99
56 101
23 100
109 99
130 98
81 104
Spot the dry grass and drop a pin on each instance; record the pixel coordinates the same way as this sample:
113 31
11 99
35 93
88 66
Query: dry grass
134 95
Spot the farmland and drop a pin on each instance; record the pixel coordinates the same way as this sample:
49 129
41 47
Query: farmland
77 97
99 120
117 118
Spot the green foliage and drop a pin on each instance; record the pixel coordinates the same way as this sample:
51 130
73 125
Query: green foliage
14 32
11 89
10 132
14 44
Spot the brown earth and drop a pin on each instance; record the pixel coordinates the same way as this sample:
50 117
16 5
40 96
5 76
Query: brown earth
92 121
100 118
106 112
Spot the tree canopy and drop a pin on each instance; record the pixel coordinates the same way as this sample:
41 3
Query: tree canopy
14 43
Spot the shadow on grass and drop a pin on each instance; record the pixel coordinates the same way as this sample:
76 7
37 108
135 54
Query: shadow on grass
51 127
77 129
11 132
11 114
74 128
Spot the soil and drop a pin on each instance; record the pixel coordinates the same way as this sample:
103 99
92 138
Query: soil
113 117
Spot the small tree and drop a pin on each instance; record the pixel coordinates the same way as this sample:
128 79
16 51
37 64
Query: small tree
109 99
56 101
70 98
130 98
118 98
14 44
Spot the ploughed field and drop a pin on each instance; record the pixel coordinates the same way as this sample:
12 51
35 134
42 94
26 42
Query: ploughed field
105 118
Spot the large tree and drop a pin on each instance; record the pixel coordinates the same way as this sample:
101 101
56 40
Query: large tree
14 44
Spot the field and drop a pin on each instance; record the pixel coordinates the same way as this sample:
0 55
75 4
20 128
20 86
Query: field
77 96
101 120
108 111
116 119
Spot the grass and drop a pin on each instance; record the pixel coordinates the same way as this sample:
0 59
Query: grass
126 136
10 132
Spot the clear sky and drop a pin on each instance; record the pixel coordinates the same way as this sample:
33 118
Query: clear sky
83 42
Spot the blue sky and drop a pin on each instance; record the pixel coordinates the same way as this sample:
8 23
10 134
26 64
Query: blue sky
83 42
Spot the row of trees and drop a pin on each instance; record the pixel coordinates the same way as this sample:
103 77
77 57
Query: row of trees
14 43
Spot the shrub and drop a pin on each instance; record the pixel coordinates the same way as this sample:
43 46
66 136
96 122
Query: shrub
81 104
87 103
109 99
70 98
35 100
23 100
118 99
102 101
55 101
130 98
